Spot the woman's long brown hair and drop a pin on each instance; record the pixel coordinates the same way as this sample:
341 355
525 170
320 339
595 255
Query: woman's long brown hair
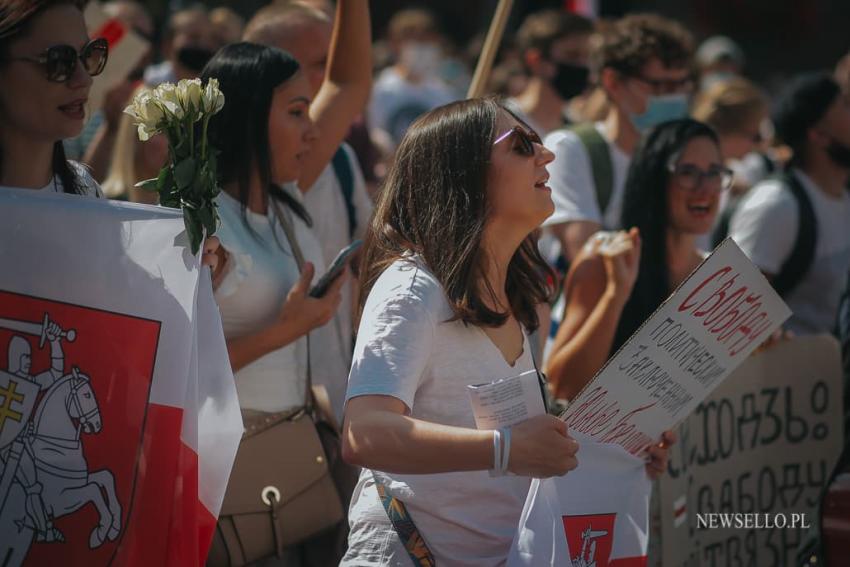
434 204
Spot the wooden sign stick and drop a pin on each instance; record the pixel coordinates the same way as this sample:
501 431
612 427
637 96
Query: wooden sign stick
488 52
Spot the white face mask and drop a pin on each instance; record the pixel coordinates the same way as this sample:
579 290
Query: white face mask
422 59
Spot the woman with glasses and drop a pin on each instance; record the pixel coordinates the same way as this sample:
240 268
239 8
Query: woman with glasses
450 279
47 62
671 198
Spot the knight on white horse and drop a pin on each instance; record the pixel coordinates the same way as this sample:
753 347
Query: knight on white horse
45 456
18 459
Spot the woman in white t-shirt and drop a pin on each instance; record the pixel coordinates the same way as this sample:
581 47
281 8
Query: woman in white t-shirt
263 132
451 279
268 250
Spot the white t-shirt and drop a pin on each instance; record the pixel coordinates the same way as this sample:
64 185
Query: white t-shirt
407 350
250 297
765 227
326 205
571 180
396 103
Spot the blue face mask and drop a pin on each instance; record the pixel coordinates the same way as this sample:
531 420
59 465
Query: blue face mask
661 109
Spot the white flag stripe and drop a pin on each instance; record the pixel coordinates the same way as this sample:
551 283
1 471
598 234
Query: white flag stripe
219 418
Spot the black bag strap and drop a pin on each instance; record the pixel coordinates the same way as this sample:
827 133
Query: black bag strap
345 174
542 380
802 256
600 162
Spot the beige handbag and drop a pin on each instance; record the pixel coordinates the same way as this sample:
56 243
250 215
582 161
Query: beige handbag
283 487
281 490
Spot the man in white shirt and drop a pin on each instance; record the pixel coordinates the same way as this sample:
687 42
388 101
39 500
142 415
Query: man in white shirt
796 228
643 65
412 86
334 193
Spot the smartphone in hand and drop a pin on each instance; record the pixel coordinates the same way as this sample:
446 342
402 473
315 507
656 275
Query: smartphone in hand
336 269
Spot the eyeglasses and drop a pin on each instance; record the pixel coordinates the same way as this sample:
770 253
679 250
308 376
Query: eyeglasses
61 60
667 86
690 177
525 140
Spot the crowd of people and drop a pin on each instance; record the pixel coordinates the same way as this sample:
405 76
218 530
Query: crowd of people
483 221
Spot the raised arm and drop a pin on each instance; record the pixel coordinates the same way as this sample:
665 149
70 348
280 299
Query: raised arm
346 88
597 290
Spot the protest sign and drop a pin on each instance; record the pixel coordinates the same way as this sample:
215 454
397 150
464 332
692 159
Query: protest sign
597 514
722 312
754 457
119 420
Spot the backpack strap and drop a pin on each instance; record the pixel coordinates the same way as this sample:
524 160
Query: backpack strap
724 220
600 162
345 174
802 255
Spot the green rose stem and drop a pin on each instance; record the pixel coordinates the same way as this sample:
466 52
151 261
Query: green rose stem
188 181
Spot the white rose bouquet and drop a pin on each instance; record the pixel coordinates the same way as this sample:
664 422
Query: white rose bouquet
189 180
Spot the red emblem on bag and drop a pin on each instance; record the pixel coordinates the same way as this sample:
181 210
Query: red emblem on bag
590 538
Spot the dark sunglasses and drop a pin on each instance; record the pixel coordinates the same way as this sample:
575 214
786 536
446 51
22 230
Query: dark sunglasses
61 60
525 140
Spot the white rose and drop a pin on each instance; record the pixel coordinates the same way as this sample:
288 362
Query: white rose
148 114
213 97
190 94
166 94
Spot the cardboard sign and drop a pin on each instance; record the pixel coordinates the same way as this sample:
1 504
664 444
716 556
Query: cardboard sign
126 50
722 312
761 446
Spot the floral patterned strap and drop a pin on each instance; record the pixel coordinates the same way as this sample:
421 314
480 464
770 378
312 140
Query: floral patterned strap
406 530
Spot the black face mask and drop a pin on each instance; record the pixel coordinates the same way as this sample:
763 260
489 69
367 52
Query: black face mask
194 58
839 153
570 80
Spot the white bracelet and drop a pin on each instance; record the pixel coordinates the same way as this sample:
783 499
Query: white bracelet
506 450
497 451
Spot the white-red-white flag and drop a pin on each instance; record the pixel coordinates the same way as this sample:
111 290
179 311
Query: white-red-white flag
595 515
114 384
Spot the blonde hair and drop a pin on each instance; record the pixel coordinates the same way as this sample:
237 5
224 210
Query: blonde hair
121 179
730 105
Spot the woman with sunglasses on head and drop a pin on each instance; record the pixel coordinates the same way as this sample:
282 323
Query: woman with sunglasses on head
451 277
671 198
